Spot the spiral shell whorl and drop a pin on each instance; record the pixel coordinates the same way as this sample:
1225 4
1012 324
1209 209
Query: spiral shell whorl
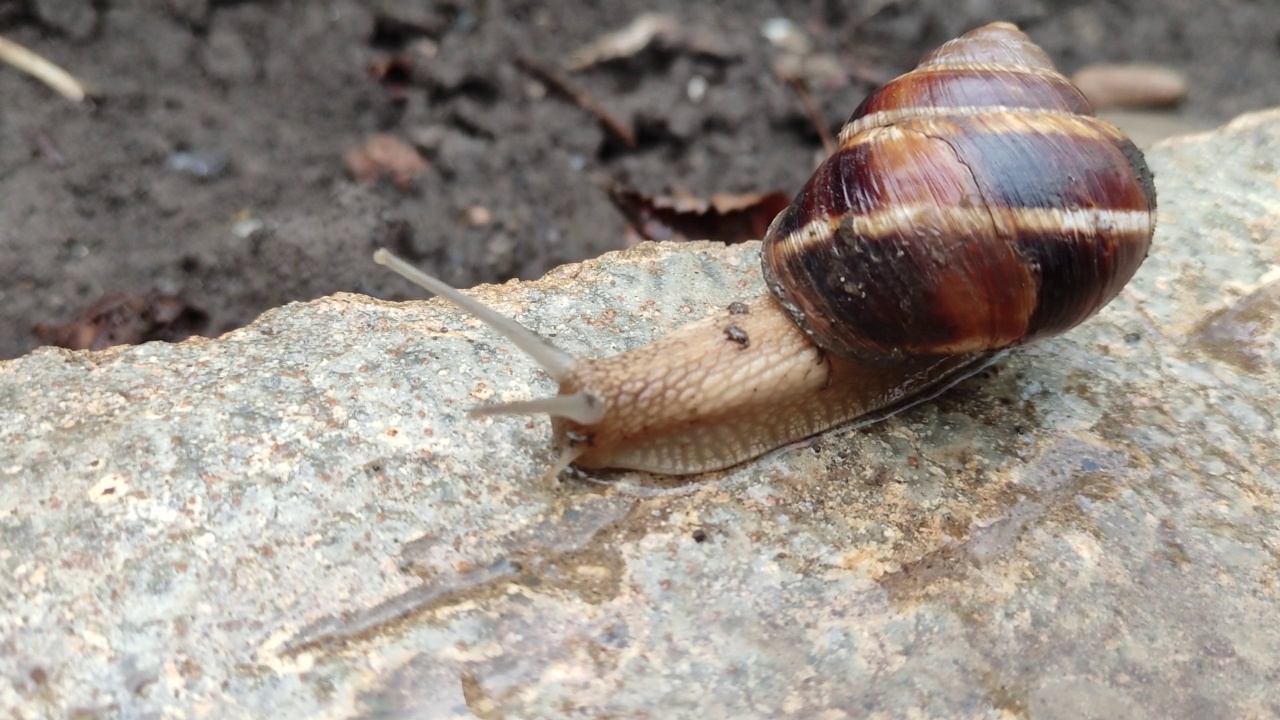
999 43
974 203
994 69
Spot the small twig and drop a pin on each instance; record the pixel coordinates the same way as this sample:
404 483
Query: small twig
873 8
866 73
562 85
49 150
46 72
815 115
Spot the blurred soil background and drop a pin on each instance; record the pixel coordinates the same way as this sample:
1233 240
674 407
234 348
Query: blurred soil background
215 165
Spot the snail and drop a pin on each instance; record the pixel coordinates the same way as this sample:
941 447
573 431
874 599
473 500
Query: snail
974 204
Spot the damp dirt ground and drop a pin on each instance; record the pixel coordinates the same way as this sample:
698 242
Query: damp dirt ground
262 101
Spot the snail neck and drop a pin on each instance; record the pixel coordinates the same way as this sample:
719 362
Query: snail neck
733 386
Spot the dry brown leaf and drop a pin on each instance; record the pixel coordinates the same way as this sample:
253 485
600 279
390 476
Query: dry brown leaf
727 218
126 319
386 156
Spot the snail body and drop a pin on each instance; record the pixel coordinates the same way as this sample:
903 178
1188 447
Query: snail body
974 204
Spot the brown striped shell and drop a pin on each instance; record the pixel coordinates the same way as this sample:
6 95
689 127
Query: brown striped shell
975 203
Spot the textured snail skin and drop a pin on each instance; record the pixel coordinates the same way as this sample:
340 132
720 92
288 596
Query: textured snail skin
728 388
974 204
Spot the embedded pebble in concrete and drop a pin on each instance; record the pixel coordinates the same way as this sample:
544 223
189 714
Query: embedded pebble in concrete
299 519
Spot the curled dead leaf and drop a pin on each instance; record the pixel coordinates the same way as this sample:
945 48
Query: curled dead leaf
386 156
126 319
725 217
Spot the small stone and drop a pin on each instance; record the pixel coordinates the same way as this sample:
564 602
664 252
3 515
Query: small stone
696 88
203 164
785 35
1133 86
478 216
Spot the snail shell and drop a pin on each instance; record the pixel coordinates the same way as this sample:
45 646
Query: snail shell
974 204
